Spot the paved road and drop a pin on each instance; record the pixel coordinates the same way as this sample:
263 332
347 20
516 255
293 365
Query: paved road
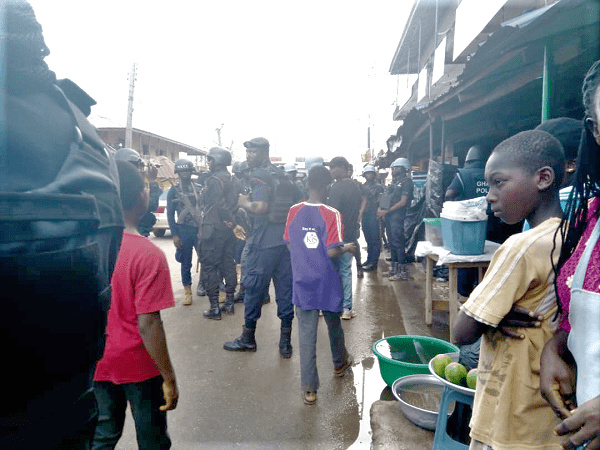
253 400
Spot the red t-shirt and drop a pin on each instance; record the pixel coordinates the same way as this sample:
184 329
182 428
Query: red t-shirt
141 284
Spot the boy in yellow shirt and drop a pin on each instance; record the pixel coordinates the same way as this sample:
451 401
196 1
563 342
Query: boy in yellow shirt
524 174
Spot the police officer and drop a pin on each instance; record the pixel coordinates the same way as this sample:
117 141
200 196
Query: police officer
62 224
292 172
469 182
241 176
268 256
371 191
393 207
149 219
184 198
217 242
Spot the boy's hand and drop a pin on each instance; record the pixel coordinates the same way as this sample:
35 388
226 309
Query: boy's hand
170 394
350 248
583 426
519 317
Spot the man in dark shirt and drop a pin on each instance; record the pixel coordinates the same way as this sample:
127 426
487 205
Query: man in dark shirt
344 195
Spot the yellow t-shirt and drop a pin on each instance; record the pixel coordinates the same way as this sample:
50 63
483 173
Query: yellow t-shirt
508 409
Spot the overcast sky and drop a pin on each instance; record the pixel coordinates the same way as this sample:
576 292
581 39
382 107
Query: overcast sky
305 75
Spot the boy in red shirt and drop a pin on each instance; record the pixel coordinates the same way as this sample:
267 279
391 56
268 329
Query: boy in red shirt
136 366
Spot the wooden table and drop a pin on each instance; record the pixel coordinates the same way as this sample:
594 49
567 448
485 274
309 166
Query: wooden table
440 256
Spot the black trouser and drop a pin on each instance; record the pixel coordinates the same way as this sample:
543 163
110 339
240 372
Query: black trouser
372 235
395 232
217 258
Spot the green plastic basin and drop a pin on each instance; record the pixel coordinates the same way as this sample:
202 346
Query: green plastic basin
404 355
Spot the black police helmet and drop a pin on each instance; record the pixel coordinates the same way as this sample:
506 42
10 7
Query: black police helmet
129 155
220 156
184 165
475 153
239 166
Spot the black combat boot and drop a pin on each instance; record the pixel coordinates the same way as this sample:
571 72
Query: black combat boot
245 343
214 312
239 297
200 291
228 306
285 344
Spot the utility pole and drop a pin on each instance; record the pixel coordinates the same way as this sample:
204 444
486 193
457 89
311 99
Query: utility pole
129 128
218 130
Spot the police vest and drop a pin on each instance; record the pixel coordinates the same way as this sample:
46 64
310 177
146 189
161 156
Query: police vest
187 205
473 183
223 209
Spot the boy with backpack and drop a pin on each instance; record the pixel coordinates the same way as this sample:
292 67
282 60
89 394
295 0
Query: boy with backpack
524 174
136 366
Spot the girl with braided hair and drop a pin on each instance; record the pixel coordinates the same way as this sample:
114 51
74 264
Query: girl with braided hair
577 341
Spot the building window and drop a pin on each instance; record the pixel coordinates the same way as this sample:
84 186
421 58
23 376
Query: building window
145 150
161 153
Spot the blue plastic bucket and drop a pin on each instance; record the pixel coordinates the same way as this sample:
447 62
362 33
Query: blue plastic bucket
463 237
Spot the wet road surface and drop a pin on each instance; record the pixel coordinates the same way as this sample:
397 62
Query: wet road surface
253 400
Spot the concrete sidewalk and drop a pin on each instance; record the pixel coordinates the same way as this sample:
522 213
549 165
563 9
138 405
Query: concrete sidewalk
390 428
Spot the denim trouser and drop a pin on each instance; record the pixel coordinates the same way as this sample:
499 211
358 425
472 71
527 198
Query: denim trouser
260 265
145 398
308 322
370 228
343 264
189 241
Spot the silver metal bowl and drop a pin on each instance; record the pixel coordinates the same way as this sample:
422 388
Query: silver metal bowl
419 398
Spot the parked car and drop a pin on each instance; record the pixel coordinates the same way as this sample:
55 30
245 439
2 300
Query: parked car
162 225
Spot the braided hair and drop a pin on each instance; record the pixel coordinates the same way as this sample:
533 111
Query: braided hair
586 184
25 49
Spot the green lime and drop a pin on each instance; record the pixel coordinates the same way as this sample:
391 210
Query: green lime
455 373
472 378
439 363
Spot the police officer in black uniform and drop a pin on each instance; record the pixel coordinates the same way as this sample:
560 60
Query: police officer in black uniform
149 219
292 172
268 256
217 242
240 171
62 224
184 198
371 191
393 206
469 182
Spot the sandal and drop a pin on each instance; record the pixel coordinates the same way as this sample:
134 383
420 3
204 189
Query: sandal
341 371
309 397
